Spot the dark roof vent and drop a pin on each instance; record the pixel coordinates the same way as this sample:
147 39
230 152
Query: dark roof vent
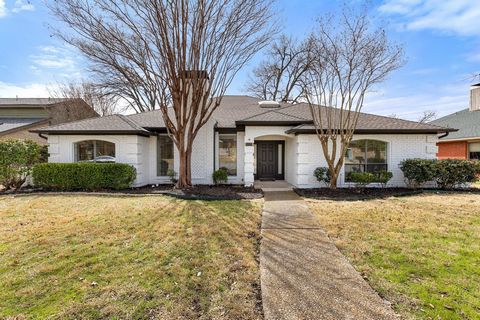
269 104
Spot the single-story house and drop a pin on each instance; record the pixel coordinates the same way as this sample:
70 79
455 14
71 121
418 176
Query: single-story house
20 115
464 143
252 139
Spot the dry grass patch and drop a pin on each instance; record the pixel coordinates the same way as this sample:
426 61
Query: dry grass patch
90 257
420 252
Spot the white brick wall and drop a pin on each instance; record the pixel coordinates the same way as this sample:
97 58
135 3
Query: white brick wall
399 147
302 154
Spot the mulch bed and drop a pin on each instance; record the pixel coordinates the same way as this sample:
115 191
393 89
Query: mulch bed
200 192
354 194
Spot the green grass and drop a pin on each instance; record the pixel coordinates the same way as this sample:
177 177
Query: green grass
420 252
89 257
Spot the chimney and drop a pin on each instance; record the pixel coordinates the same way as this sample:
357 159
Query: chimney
269 104
475 97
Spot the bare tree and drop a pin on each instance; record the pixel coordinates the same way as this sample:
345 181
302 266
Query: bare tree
349 58
427 116
278 77
175 55
103 102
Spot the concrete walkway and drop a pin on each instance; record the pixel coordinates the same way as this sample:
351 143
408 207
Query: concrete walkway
303 275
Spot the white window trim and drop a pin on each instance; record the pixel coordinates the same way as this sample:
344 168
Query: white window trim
217 152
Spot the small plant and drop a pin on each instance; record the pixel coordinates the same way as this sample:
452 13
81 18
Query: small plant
383 177
362 179
172 174
417 172
322 174
220 176
16 161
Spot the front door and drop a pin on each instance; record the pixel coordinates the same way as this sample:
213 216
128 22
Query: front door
267 160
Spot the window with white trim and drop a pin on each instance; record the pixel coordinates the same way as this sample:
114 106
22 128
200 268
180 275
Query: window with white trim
365 156
94 151
227 153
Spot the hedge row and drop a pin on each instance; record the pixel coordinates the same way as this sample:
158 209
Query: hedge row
83 176
447 174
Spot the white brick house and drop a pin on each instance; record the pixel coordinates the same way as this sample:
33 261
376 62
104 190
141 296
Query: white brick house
250 140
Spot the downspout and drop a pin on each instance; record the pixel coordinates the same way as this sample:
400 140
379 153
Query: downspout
214 146
41 136
444 135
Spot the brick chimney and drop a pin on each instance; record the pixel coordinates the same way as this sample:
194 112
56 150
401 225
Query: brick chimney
475 97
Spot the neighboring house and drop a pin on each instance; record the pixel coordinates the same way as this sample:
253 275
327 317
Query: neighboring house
464 143
19 115
252 140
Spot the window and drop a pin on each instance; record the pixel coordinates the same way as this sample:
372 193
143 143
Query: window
227 153
365 156
164 155
474 151
94 151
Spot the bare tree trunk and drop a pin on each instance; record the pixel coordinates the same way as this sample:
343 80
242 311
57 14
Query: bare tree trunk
185 179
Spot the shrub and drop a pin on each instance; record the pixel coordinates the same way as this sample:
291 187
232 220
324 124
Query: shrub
362 179
172 174
16 161
83 176
383 177
220 176
322 174
453 172
418 171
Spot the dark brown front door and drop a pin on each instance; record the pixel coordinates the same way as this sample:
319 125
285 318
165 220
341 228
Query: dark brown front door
267 160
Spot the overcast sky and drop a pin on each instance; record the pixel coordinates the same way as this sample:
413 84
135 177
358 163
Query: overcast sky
441 39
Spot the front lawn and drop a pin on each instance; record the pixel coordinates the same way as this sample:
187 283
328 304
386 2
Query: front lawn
420 252
90 257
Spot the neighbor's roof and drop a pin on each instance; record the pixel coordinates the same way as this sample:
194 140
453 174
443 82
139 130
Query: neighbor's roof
240 111
9 124
467 122
114 124
29 102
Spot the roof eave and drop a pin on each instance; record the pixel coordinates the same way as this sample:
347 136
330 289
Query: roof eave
379 131
95 132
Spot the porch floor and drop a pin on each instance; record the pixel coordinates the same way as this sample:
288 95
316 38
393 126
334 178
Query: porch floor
278 185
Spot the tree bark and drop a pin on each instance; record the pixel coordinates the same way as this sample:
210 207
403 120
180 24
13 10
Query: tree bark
184 176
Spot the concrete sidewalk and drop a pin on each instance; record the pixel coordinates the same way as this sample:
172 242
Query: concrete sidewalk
303 275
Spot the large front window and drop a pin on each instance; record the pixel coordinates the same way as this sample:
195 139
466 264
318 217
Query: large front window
95 151
227 153
164 155
365 156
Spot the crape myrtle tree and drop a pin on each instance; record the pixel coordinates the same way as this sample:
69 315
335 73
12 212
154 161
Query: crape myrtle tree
178 56
349 58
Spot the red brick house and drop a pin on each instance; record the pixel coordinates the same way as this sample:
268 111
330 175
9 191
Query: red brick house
464 143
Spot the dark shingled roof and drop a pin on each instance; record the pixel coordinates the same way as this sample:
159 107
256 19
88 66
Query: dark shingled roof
238 111
467 122
29 102
115 124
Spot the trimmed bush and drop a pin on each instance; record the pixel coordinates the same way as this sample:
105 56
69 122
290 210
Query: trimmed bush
322 174
450 173
83 176
383 177
16 161
362 179
220 176
417 172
